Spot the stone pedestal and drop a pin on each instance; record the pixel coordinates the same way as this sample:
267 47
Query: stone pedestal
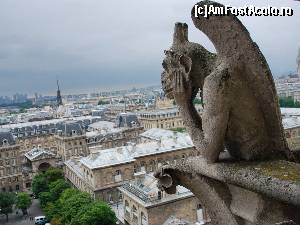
248 193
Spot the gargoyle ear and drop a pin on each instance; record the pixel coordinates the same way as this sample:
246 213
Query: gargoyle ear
186 62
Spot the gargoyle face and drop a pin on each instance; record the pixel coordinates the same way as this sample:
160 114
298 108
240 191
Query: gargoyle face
174 62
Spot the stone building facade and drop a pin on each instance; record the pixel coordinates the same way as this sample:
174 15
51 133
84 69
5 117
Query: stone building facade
71 141
109 135
45 141
163 118
10 163
143 203
101 172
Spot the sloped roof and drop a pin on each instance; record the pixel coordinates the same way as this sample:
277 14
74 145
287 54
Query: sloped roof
157 133
107 157
69 128
39 153
127 120
172 220
6 138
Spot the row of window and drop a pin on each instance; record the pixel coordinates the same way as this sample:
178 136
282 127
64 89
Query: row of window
76 180
10 188
7 162
151 166
8 154
132 214
166 125
160 115
9 171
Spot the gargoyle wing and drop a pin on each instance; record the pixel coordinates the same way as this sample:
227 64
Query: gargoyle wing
234 45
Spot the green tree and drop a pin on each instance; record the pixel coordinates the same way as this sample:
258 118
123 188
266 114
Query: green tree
72 205
24 201
288 102
179 129
7 200
39 184
102 102
45 198
68 193
54 174
53 211
96 213
56 188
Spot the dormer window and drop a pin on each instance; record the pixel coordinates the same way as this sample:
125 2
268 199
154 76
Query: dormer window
73 132
4 142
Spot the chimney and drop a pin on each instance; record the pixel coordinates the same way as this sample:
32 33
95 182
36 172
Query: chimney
159 143
120 150
159 195
131 146
94 153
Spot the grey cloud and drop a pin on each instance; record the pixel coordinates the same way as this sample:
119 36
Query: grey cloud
92 45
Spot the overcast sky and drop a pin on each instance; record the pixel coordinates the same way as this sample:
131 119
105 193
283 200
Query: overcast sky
94 45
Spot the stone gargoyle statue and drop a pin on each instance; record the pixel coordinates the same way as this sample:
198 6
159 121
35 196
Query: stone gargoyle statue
240 107
241 110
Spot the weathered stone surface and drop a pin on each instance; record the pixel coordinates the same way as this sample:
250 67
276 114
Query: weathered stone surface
241 109
241 112
255 191
274 179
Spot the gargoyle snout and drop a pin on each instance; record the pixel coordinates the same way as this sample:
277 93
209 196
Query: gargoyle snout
166 181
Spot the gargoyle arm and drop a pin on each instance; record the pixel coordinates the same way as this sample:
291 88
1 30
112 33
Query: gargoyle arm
208 133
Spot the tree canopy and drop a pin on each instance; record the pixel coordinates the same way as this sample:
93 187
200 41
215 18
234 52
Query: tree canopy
72 205
102 102
7 200
40 182
62 204
57 187
96 213
75 207
288 102
54 174
23 202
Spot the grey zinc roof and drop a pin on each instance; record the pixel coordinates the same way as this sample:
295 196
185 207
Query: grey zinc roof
6 137
127 120
38 152
69 128
146 190
114 156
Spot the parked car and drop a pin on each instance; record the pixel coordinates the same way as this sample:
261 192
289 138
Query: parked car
40 220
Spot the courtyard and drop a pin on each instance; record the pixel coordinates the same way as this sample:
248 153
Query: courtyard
18 219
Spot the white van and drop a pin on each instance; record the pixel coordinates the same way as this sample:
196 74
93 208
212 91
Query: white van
39 219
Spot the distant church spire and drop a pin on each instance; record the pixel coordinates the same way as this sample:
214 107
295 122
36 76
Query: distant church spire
58 96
